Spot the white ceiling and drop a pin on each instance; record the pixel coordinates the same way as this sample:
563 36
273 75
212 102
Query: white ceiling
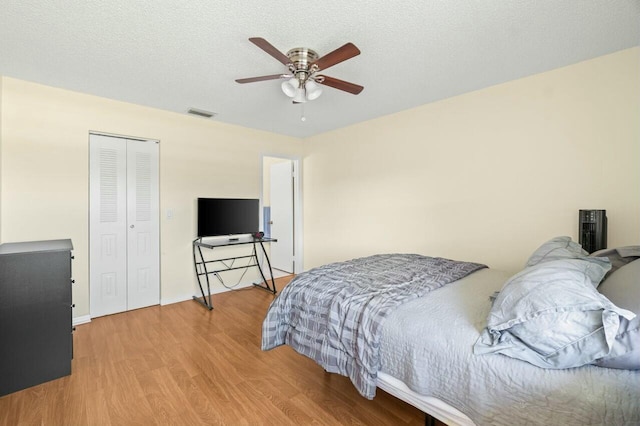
176 55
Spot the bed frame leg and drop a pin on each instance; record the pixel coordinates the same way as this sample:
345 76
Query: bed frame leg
428 420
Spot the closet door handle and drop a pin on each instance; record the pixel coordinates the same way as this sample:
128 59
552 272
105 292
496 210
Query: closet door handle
132 226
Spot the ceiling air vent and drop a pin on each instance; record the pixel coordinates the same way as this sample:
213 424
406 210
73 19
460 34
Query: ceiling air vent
201 113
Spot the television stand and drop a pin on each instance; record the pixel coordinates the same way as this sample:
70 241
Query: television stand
202 266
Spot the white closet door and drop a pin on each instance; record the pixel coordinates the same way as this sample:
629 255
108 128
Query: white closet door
124 225
108 225
143 224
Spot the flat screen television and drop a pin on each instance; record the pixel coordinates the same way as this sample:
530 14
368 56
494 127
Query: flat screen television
227 216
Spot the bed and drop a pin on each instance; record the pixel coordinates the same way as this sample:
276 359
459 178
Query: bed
425 352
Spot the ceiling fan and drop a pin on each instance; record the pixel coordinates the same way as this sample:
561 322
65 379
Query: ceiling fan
302 82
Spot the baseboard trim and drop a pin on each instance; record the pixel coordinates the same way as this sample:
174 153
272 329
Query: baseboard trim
81 320
169 301
215 290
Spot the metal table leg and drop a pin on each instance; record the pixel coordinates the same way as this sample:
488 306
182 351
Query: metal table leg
266 286
204 302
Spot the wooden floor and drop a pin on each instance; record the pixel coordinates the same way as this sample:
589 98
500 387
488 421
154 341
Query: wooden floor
183 365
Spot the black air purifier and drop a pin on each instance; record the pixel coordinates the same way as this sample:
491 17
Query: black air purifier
593 229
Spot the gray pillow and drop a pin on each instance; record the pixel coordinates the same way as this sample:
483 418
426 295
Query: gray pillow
623 289
618 257
550 315
564 248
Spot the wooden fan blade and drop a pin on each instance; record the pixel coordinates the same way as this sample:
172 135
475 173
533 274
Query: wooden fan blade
339 84
343 53
262 78
268 47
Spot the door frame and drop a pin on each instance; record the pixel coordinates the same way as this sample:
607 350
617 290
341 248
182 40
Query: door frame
298 238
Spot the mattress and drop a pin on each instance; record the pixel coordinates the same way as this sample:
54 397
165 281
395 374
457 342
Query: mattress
428 361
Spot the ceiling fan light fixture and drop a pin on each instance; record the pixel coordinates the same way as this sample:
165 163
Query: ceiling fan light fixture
300 96
313 90
290 87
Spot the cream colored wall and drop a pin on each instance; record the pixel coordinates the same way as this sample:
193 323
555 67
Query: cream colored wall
45 160
486 176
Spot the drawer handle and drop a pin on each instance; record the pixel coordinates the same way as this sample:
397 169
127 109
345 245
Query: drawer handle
73 305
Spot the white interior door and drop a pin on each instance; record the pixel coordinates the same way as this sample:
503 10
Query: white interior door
124 225
281 194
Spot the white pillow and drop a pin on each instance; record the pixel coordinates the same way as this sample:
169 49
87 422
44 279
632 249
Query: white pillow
564 248
551 315
557 248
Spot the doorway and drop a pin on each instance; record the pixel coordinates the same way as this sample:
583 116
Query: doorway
282 212
124 224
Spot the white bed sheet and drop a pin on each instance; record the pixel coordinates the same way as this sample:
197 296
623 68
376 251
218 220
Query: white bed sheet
428 361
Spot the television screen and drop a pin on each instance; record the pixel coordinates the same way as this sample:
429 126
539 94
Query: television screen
227 216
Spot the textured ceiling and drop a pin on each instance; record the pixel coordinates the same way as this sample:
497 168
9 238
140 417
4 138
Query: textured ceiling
176 55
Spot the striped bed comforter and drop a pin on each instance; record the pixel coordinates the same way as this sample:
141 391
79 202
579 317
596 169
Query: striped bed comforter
334 313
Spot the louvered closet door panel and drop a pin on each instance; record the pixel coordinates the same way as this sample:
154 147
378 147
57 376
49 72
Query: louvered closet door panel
108 225
143 224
